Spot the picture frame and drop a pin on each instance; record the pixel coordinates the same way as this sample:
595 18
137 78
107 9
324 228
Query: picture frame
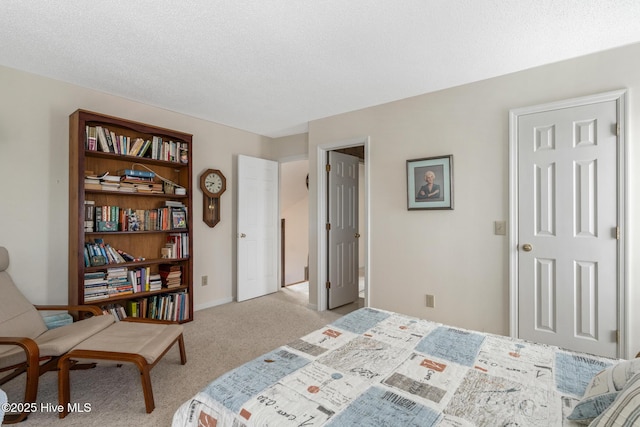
437 194
178 219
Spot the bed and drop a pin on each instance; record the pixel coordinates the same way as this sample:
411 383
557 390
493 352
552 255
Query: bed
378 368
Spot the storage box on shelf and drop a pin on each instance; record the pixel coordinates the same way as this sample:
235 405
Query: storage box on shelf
130 214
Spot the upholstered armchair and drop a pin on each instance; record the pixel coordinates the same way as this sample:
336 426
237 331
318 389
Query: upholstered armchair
26 345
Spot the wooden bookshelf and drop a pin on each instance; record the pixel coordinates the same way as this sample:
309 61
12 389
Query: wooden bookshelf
144 245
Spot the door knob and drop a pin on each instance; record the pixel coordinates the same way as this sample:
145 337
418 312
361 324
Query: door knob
242 235
527 247
357 235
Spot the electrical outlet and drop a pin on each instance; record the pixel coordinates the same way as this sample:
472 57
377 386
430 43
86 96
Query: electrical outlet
205 280
431 301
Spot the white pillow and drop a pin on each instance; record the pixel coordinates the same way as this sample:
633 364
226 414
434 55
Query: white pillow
625 410
603 390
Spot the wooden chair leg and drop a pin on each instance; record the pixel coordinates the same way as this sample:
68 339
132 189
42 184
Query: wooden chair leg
64 392
183 353
14 418
30 392
147 390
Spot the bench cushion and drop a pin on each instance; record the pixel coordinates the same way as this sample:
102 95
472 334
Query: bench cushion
148 340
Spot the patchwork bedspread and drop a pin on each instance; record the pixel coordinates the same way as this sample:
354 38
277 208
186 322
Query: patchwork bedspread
378 368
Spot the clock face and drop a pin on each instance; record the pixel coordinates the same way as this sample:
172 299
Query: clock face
213 182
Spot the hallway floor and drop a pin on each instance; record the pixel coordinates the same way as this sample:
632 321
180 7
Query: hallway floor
303 288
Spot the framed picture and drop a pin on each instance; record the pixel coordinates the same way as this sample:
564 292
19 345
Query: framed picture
178 219
430 183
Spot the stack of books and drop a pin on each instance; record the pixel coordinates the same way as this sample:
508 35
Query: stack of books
127 187
92 182
118 282
171 275
133 179
95 286
150 187
155 282
110 183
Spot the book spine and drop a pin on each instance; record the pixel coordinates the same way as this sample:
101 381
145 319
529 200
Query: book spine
144 174
116 142
107 135
144 148
102 139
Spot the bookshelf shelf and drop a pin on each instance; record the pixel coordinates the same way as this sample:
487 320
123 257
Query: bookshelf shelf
123 194
139 295
116 233
144 263
146 229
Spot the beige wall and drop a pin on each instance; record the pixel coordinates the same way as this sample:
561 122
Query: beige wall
288 148
454 254
34 163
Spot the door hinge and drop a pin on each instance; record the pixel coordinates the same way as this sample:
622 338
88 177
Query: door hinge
328 226
618 335
617 129
328 285
328 167
617 233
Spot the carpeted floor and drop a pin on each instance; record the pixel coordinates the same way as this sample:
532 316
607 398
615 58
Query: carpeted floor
219 339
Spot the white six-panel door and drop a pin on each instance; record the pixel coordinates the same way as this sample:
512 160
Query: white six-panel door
568 218
343 232
257 218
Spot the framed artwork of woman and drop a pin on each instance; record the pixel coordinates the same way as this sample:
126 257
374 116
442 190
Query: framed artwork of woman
430 183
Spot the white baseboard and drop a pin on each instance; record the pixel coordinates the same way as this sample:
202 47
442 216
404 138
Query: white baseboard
212 304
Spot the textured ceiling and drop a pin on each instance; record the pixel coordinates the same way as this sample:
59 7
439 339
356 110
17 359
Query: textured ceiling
271 66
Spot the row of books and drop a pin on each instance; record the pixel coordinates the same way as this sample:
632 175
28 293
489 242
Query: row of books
100 138
116 282
116 310
172 216
177 246
172 307
99 253
142 280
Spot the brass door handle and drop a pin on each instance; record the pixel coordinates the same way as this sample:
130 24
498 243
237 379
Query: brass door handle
357 235
527 247
242 235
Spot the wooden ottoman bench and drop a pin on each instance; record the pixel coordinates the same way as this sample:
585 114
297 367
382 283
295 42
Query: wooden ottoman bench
146 342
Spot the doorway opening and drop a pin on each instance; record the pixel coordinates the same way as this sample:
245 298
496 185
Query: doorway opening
294 222
361 147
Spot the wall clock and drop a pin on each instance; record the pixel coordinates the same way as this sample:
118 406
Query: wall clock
213 184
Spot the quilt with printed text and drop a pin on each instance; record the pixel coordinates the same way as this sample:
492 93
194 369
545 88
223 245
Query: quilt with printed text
378 368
